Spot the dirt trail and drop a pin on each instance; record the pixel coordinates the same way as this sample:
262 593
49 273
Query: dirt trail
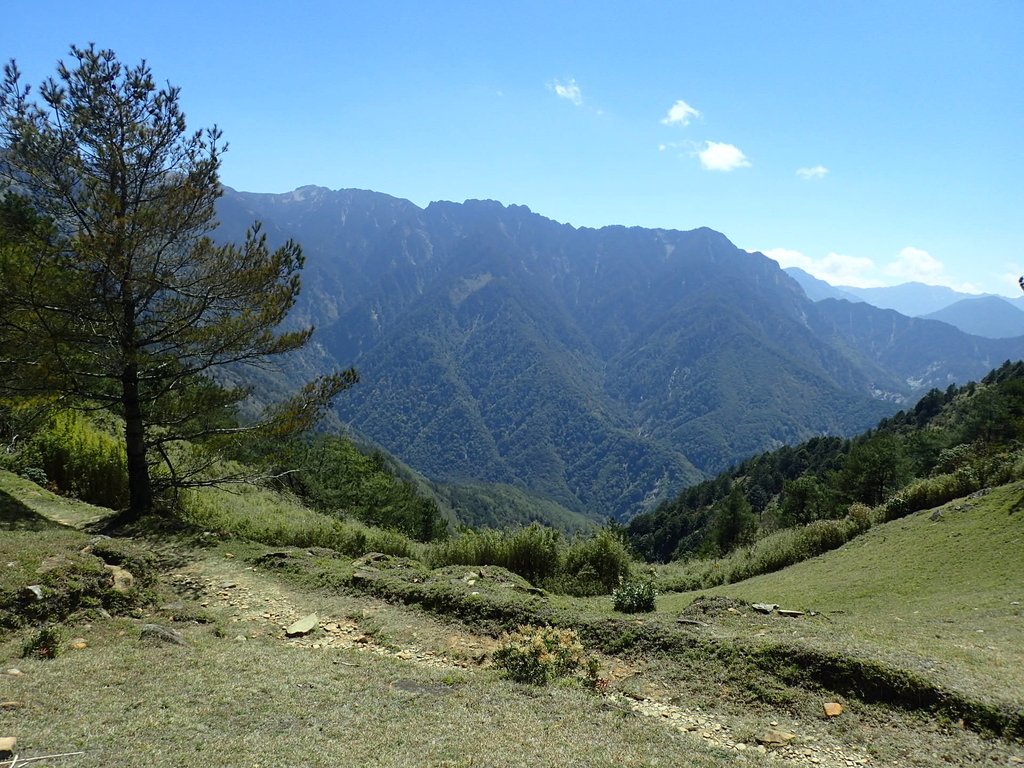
260 605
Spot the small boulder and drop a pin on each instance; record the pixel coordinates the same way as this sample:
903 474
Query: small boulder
775 738
764 607
121 579
7 745
832 708
303 626
790 614
32 593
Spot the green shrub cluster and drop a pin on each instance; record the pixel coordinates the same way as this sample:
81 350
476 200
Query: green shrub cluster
44 644
78 457
594 565
539 655
634 597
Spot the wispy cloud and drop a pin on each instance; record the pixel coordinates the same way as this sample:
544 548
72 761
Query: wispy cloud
833 268
569 91
680 113
815 172
722 157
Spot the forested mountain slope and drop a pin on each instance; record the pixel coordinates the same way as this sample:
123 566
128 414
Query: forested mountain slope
604 369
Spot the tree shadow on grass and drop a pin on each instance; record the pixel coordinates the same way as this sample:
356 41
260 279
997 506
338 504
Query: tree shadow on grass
15 516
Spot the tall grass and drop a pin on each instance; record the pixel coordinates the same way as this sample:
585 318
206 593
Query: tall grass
267 516
81 458
772 553
593 565
534 551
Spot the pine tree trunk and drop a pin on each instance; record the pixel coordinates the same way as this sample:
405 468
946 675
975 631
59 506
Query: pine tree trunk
140 491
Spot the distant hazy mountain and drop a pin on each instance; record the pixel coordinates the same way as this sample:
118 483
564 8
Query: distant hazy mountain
989 316
816 289
911 299
600 368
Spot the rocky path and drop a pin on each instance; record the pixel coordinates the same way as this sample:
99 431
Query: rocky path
259 605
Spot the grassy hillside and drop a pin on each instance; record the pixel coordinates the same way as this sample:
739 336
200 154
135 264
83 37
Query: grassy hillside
939 593
380 683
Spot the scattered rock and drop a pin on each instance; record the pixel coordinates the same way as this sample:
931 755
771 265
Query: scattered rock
13 672
364 576
52 563
7 745
832 708
121 579
33 592
161 634
7 706
79 644
936 515
775 738
764 607
303 626
790 614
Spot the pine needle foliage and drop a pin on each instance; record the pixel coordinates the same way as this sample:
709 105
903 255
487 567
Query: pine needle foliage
113 291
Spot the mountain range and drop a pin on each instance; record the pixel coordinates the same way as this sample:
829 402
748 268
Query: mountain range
603 369
988 315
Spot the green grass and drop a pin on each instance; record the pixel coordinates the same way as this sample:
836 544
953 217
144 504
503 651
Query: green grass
942 597
221 702
25 504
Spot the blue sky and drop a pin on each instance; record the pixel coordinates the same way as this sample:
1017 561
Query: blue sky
869 142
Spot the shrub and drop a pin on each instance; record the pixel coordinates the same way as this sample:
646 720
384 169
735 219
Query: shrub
595 565
533 552
44 644
537 656
634 597
80 458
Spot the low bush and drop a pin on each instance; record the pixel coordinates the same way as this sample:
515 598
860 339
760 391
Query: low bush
634 597
80 457
44 644
595 565
539 655
534 551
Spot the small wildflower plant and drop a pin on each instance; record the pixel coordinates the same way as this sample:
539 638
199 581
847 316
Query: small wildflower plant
634 597
538 655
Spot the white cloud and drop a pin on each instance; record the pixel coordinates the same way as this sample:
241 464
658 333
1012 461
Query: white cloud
833 268
919 266
722 157
910 265
569 91
680 113
817 172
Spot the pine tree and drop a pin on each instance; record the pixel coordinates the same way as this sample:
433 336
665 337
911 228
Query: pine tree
114 293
